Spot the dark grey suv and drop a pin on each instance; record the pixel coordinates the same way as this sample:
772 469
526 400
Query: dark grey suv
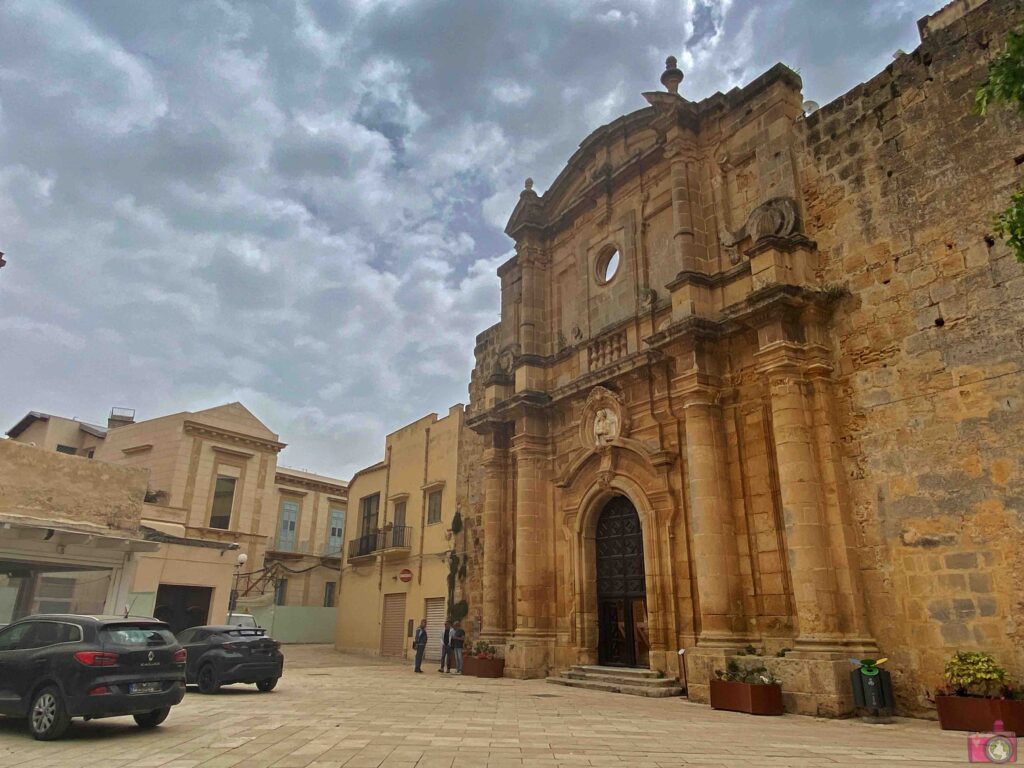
221 655
55 667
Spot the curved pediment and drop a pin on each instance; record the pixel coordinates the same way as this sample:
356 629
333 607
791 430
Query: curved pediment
606 156
651 457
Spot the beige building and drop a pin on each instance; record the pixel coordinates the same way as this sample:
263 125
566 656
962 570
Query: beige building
56 433
216 492
401 542
70 533
757 381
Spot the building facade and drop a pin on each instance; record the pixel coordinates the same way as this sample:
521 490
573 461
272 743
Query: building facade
215 492
757 382
70 533
401 541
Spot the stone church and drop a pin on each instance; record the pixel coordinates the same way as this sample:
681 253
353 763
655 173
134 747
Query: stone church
758 382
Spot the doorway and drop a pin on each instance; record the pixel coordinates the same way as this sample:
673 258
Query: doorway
621 587
182 607
392 630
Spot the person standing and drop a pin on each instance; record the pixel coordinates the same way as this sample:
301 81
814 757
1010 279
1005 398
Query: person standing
419 643
458 638
446 648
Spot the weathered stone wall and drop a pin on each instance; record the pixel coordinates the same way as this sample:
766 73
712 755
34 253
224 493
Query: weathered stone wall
900 182
812 353
61 489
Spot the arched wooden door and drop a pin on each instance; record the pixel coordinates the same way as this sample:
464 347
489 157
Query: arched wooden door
621 586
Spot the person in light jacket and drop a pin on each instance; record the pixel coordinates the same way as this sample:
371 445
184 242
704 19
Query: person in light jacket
419 643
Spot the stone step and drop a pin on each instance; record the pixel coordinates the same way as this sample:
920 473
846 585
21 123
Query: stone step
613 687
631 672
650 682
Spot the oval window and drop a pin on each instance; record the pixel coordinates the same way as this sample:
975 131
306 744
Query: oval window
607 265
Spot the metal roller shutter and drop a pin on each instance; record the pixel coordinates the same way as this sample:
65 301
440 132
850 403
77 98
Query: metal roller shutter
435 615
392 630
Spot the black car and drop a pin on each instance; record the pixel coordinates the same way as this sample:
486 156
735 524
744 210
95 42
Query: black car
55 667
221 655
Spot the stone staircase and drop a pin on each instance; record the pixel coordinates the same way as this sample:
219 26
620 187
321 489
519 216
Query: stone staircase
638 682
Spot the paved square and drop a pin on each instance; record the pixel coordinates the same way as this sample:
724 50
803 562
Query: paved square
333 710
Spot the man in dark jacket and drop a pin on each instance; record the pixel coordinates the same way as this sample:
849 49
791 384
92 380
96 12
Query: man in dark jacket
458 640
446 648
419 642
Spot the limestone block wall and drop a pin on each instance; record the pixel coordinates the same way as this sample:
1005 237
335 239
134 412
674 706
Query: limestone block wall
59 488
900 182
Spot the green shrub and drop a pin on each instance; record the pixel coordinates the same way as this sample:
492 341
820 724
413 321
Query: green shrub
753 675
972 673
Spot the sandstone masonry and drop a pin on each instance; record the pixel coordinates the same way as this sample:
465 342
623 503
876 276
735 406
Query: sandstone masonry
804 377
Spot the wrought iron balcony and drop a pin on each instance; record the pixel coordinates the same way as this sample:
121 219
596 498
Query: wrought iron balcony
395 542
363 547
331 551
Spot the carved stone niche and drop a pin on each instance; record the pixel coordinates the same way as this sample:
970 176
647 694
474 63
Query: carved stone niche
777 217
605 418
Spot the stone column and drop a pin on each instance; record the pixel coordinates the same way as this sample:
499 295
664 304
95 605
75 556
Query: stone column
815 593
715 553
683 207
495 464
532 576
534 579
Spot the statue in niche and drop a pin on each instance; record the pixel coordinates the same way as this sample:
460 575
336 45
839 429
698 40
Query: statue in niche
606 426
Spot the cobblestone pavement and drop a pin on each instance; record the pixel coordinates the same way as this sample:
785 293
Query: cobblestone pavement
333 710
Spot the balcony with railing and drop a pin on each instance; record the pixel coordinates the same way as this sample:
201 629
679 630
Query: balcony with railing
395 542
363 548
331 551
391 543
284 548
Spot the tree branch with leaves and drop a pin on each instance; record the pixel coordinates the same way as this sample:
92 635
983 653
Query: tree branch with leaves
1005 85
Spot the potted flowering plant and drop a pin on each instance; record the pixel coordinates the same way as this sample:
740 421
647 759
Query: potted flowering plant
750 689
977 694
483 661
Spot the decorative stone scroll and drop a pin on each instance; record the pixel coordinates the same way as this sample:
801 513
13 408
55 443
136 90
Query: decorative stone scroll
605 418
777 217
505 363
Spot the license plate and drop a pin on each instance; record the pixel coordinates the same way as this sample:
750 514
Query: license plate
145 687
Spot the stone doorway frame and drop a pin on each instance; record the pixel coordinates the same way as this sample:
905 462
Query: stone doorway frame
584 571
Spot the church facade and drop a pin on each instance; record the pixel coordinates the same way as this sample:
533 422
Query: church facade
756 383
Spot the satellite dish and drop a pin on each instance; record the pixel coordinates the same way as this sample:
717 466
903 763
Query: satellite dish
809 107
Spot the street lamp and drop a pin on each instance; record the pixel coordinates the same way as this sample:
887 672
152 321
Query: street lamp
239 562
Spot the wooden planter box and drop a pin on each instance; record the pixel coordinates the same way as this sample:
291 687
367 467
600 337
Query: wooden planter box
746 697
971 713
471 665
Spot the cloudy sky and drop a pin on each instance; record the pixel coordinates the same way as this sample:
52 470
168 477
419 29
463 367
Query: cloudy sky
299 204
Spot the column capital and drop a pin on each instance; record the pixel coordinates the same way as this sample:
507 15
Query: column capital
529 447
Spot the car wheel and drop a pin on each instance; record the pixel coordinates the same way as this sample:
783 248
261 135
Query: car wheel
267 685
207 679
152 719
47 718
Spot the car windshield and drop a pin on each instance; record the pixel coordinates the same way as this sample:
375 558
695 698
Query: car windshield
139 636
242 620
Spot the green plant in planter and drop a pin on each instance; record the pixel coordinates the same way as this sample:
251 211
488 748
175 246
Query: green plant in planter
972 673
484 650
752 675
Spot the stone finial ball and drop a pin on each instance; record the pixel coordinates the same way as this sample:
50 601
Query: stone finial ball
529 183
670 62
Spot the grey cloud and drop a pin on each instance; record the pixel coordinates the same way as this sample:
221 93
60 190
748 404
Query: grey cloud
299 204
